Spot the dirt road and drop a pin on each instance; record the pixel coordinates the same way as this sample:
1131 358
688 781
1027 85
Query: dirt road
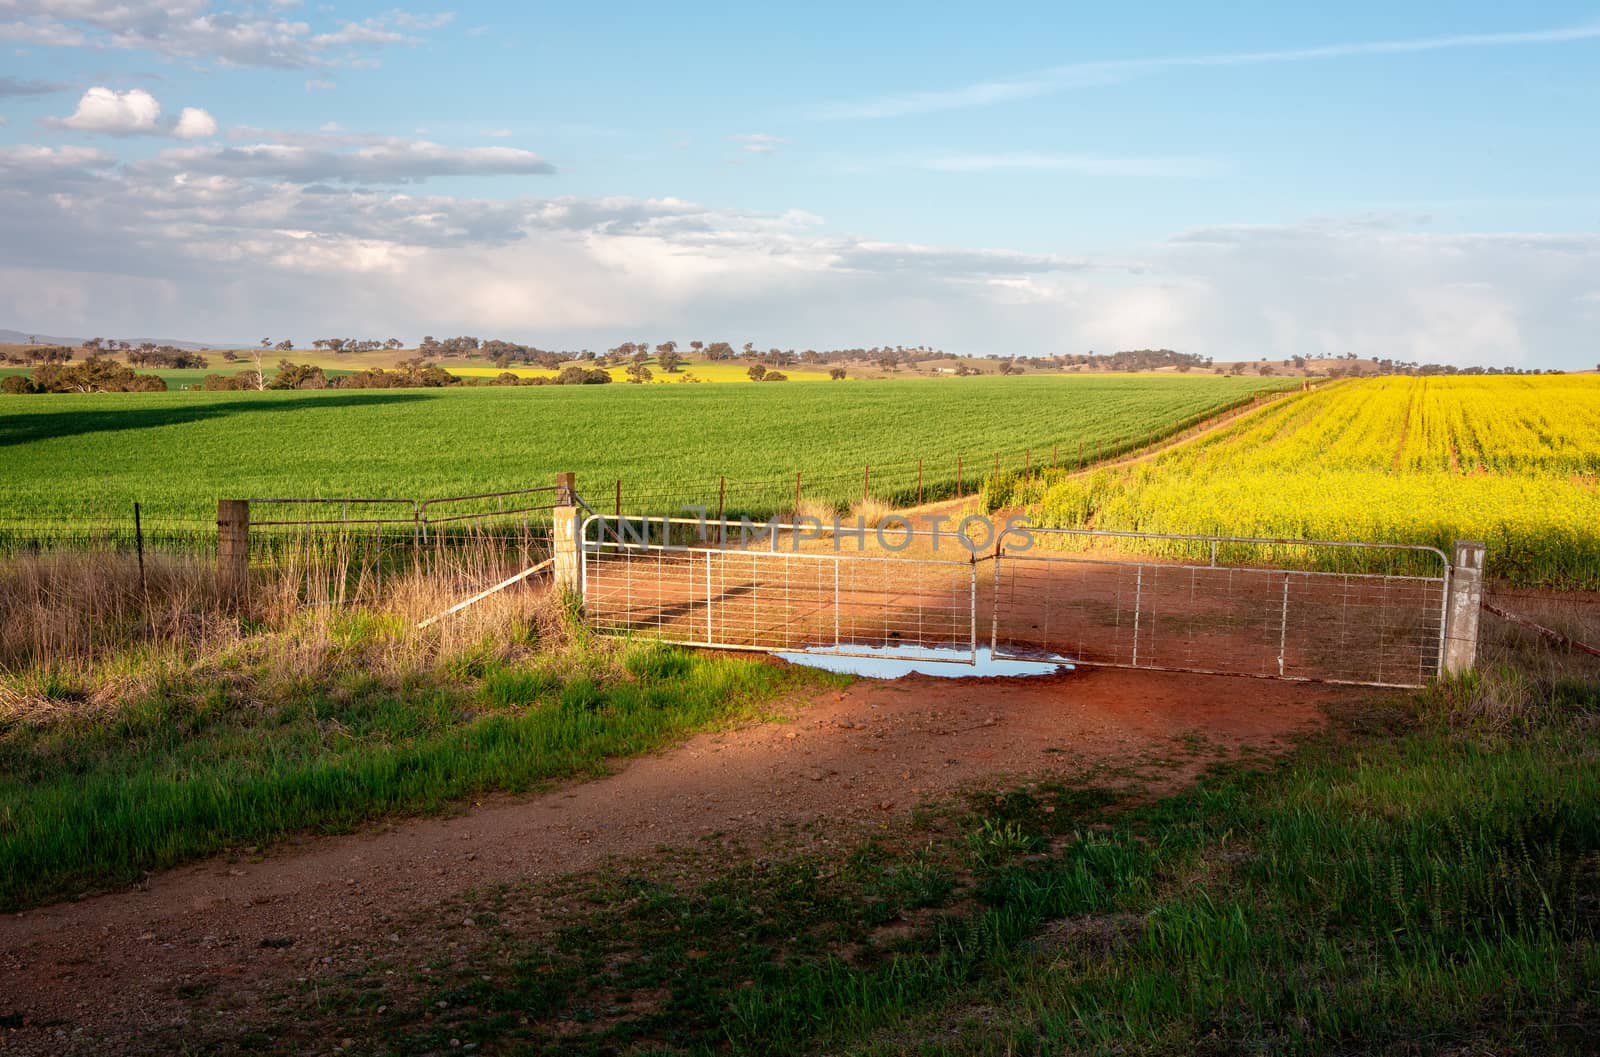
99 975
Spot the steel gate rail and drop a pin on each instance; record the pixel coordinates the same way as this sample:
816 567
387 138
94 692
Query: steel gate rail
678 579
1299 624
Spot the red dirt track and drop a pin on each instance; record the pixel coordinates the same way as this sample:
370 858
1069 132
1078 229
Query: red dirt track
110 973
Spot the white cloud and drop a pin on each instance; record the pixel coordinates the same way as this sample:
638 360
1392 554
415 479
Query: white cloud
133 113
196 29
195 123
114 113
25 161
1082 74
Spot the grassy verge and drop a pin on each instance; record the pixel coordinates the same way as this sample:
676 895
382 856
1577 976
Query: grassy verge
334 721
1401 884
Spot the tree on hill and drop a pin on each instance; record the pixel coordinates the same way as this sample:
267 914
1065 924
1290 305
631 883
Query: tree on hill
575 375
836 373
638 373
756 371
667 356
298 376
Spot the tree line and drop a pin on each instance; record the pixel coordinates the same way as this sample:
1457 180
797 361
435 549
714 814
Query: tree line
96 374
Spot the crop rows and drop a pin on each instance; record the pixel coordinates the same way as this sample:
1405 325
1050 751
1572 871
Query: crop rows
1509 461
80 461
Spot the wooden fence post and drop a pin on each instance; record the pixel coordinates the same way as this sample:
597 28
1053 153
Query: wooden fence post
233 549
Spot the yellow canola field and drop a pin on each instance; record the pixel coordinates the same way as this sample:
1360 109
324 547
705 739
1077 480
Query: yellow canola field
1511 461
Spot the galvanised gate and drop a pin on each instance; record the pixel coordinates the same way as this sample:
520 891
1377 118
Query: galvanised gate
1372 614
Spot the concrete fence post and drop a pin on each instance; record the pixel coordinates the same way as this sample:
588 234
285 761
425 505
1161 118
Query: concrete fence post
1461 614
566 529
233 548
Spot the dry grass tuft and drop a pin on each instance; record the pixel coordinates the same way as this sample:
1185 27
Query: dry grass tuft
820 511
1519 671
872 512
80 635
71 607
1574 614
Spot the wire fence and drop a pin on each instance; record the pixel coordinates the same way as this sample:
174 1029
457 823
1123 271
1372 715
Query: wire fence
121 532
342 550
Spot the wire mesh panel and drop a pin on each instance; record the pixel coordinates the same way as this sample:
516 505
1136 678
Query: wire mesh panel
342 550
769 598
1347 627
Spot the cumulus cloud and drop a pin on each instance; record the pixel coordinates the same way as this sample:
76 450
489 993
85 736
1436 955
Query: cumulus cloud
114 113
194 123
133 113
197 29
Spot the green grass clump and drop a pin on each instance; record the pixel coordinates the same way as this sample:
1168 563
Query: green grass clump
189 771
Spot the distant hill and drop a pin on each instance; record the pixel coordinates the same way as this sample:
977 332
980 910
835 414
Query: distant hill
20 337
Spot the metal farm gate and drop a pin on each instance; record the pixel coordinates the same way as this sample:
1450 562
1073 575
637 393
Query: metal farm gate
1194 614
1066 595
687 581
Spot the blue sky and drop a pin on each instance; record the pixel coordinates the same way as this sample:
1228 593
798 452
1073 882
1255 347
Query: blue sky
1413 181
